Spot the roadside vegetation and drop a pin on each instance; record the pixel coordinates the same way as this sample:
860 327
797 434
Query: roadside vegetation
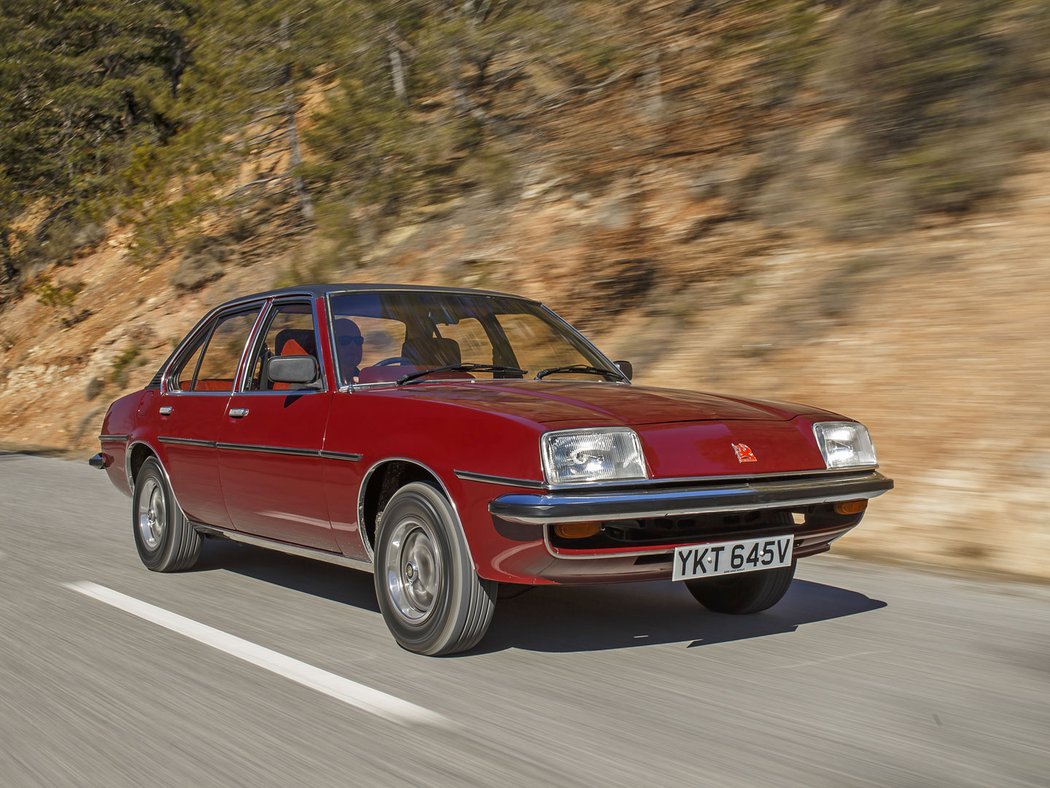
218 129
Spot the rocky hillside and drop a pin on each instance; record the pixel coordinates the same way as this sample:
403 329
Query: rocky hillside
837 203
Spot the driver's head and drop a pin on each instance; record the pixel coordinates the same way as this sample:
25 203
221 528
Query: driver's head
349 344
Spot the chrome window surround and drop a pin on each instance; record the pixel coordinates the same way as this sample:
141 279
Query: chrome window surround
207 324
204 323
256 337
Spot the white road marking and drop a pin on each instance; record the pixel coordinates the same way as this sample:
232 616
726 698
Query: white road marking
366 698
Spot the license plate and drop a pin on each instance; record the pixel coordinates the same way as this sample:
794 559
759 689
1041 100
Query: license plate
726 558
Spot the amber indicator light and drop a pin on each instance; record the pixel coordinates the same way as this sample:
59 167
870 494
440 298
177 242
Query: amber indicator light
851 507
577 530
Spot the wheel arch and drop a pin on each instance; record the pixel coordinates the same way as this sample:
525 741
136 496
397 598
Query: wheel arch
137 453
382 480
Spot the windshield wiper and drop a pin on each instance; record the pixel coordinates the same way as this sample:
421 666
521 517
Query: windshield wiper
581 368
459 368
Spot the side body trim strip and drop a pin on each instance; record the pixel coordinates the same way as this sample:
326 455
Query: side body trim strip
289 450
501 480
341 455
185 441
269 449
283 547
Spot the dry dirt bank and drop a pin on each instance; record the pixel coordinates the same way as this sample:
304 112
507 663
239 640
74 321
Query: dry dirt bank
938 338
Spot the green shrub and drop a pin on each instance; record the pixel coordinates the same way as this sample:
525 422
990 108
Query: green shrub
122 365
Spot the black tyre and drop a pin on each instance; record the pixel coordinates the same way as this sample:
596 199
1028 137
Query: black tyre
751 592
431 598
165 539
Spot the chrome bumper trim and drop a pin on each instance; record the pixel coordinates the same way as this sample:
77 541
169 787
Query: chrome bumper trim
561 507
508 481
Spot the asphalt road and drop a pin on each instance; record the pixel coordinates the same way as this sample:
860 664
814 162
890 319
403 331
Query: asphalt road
863 675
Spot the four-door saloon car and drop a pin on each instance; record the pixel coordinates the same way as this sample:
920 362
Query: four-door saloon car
451 441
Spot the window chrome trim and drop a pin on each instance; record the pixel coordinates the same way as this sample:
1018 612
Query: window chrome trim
206 324
258 334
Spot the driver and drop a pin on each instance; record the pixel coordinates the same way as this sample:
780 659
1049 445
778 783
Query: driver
349 346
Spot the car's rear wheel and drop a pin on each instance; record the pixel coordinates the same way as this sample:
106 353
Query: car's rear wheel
431 598
750 592
165 539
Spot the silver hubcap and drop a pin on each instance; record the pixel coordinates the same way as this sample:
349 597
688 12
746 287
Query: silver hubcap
413 570
152 514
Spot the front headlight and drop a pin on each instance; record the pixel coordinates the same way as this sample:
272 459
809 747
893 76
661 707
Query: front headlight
591 455
844 444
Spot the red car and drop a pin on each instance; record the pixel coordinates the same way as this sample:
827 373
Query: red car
452 441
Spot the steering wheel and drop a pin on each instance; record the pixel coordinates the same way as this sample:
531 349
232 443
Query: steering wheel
388 362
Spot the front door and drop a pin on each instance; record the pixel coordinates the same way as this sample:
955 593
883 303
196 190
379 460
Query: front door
190 410
271 437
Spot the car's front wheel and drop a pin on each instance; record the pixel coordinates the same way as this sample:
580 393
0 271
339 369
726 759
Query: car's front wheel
751 592
431 598
166 540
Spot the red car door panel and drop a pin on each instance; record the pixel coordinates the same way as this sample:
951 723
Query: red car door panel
187 424
271 466
271 436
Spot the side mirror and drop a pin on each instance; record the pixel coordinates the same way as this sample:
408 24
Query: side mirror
626 367
302 370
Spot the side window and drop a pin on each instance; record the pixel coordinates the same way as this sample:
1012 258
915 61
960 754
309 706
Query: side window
212 366
289 332
181 378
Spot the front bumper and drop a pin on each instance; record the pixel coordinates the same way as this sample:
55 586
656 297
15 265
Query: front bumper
696 498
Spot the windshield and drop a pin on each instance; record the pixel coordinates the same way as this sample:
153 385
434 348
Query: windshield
381 337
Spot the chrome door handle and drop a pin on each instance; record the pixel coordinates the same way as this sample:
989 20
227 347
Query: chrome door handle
165 410
238 413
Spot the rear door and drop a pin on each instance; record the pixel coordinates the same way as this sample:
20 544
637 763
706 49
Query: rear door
190 409
271 435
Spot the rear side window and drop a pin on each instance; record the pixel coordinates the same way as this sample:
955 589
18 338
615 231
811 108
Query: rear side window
212 364
181 379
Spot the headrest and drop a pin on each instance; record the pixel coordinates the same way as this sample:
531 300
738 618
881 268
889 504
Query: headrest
432 352
295 342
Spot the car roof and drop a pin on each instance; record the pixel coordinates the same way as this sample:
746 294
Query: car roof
320 290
